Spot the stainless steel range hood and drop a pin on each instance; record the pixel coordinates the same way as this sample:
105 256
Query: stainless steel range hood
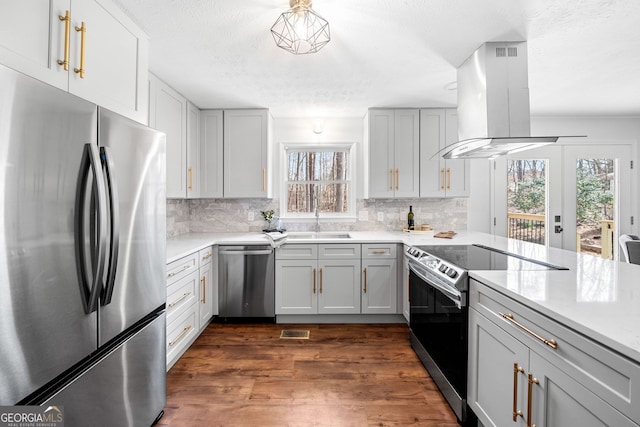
493 103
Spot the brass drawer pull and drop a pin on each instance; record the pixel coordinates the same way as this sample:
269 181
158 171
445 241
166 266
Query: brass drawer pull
82 29
532 381
314 280
207 256
186 294
442 179
190 178
551 343
67 28
173 273
516 370
364 272
379 251
179 337
448 178
204 289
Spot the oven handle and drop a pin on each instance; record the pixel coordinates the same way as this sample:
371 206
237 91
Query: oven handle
455 297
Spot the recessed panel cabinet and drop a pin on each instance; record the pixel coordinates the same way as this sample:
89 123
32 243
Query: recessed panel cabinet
45 39
394 162
517 379
210 154
246 154
440 177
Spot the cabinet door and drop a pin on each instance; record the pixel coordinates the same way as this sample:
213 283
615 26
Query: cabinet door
492 385
405 290
381 152
432 139
296 287
559 400
32 39
407 153
168 113
456 171
246 171
210 161
193 151
379 286
205 296
115 59
339 286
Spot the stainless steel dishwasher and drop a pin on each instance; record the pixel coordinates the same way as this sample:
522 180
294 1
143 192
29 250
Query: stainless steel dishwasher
246 282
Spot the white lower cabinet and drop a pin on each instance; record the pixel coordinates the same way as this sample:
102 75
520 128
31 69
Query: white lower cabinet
379 279
336 279
192 299
516 379
318 279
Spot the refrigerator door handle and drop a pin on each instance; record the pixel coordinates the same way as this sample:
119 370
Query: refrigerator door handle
90 287
114 221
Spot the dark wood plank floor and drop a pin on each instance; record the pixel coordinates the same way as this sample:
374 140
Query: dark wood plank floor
344 375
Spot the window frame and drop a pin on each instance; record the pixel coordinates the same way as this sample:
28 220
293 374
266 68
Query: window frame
350 149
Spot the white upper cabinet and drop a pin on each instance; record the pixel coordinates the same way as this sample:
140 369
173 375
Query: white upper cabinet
193 151
394 162
246 153
440 177
168 113
210 157
36 38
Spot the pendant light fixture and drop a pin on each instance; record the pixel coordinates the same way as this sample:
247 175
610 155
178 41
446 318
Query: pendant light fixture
300 30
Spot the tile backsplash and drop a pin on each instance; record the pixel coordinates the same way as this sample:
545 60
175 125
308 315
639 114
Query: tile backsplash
231 215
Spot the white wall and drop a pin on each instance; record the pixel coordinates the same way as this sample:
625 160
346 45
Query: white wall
300 130
597 129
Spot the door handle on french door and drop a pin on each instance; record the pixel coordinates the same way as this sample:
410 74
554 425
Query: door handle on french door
114 221
90 287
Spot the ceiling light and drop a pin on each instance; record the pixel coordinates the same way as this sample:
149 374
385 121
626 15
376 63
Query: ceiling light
300 30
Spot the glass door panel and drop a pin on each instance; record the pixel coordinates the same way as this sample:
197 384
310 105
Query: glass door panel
527 200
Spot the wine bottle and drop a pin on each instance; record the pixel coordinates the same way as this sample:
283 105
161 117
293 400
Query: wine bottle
410 219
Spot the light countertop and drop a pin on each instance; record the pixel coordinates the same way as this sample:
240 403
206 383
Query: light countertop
595 297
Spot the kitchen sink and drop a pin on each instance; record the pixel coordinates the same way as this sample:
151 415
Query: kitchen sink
320 235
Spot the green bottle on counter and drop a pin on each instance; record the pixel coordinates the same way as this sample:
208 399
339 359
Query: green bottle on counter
410 219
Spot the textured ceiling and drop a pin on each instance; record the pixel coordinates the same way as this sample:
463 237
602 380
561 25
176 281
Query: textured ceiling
584 55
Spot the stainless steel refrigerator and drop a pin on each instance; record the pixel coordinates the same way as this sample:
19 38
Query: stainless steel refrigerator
82 258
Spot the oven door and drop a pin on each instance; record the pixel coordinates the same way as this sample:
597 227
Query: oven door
438 322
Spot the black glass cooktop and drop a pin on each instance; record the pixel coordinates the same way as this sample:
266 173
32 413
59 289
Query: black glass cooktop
478 257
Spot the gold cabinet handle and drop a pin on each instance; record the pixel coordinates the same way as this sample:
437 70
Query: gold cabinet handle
314 280
390 179
207 256
190 178
551 343
516 370
179 337
67 29
442 179
204 289
532 381
186 294
364 273
173 273
378 251
264 179
397 179
320 280
448 178
82 29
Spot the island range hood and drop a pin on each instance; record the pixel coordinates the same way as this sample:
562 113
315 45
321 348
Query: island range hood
493 104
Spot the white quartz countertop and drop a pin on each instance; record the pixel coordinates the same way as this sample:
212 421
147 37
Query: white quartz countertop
595 297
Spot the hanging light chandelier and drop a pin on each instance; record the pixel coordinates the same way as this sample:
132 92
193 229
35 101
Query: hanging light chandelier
300 30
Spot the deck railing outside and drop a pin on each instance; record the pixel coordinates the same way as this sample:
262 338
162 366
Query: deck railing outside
527 227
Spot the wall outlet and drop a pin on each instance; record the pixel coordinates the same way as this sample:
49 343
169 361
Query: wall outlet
380 216
251 216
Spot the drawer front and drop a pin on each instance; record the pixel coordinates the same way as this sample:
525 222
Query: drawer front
181 268
181 295
205 255
612 377
379 250
180 332
339 251
295 251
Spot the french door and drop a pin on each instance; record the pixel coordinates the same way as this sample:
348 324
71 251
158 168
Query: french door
587 196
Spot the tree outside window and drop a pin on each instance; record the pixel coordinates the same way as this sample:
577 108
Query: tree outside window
318 179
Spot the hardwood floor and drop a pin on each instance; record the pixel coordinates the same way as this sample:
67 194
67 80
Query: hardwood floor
343 375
